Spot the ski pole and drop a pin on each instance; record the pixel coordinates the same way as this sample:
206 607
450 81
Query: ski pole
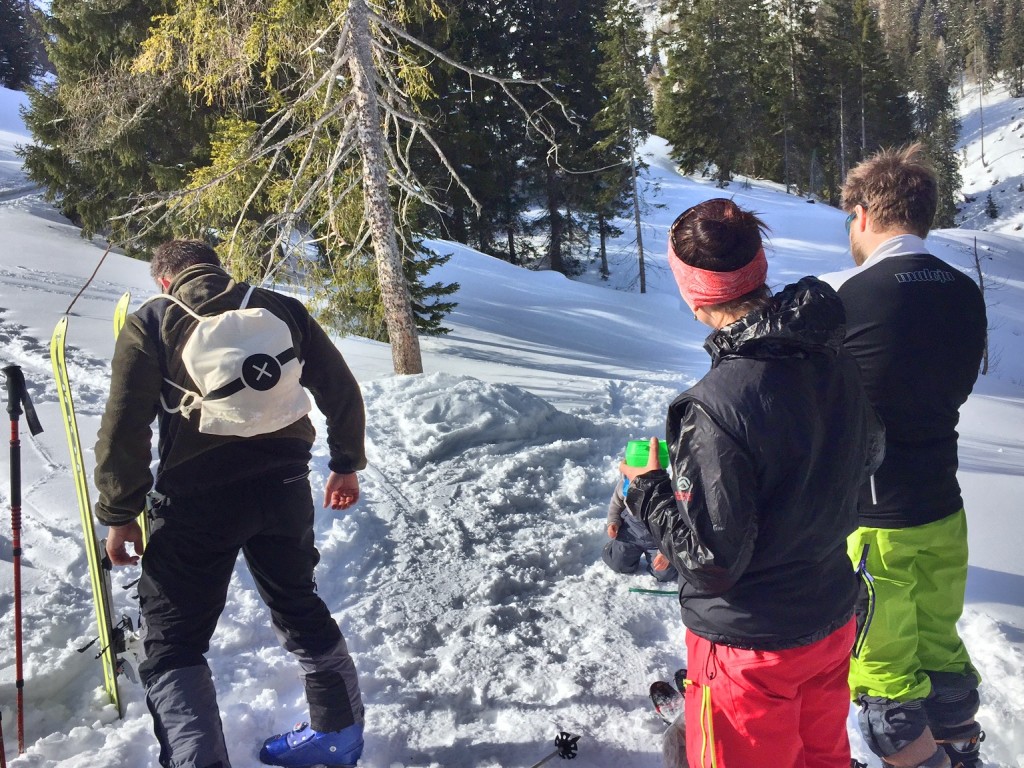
3 749
565 747
641 591
17 396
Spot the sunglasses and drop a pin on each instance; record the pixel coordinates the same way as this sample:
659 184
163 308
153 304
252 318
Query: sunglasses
851 218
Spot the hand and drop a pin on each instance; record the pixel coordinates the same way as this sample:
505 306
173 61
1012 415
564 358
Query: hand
613 531
660 562
653 462
341 491
117 537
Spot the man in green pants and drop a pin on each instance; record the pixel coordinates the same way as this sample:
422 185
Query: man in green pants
917 327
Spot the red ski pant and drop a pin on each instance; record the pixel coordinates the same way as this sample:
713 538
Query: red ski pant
785 708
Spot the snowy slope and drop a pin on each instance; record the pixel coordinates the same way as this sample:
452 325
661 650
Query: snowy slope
468 579
992 158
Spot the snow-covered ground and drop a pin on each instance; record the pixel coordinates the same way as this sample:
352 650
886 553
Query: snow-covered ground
468 579
992 158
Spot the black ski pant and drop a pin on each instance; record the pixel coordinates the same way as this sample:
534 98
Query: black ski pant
186 570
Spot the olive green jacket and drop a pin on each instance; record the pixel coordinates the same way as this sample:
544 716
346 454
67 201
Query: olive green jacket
148 349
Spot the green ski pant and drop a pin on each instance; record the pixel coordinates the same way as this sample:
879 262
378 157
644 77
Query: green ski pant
920 575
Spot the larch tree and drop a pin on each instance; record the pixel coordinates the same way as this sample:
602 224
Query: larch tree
335 115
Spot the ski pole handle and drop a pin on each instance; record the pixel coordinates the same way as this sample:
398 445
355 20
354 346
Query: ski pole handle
17 398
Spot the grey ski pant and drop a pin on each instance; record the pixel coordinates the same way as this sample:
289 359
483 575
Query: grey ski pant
185 574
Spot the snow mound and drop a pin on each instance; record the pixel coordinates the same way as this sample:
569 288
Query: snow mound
434 417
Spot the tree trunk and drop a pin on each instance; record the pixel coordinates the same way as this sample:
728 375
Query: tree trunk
510 236
981 285
602 237
394 290
636 212
555 223
842 136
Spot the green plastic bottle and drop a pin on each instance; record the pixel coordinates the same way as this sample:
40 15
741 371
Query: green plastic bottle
637 452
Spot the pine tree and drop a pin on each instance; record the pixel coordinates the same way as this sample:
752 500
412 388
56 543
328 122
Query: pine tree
1011 50
897 23
883 110
479 126
792 44
935 119
18 65
714 88
625 120
99 143
991 209
559 41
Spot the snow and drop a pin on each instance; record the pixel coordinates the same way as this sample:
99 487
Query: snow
992 151
468 579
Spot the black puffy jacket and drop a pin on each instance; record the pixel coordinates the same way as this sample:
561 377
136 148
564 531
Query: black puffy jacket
768 452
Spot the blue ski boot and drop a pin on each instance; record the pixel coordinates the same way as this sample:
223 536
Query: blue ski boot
302 747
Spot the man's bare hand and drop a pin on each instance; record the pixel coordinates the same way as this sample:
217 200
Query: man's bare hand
118 536
341 491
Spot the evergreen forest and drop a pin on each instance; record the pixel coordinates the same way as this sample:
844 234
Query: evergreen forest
511 126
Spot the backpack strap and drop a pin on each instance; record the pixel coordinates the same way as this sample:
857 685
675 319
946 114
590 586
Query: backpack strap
191 400
185 307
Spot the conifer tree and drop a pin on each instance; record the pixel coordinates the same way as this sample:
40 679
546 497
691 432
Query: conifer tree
480 128
935 120
98 144
18 63
991 209
897 22
625 120
714 89
1011 50
559 41
883 111
792 44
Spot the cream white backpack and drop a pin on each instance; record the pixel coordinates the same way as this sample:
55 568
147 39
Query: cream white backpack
246 368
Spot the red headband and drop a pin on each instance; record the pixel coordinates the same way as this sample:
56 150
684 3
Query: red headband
703 288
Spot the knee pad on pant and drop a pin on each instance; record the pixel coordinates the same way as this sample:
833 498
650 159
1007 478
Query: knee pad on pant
954 699
889 726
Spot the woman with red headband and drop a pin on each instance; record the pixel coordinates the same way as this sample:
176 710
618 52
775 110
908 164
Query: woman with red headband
768 452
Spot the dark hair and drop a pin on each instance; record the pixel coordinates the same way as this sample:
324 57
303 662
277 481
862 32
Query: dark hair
898 187
717 235
172 257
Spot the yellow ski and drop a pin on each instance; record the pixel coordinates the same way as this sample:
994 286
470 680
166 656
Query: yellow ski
120 316
111 637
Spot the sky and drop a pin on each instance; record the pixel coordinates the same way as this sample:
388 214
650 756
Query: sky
468 579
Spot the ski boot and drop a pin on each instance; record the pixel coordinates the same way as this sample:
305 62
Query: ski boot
302 747
962 743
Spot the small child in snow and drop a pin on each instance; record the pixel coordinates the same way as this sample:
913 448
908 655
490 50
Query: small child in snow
631 541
